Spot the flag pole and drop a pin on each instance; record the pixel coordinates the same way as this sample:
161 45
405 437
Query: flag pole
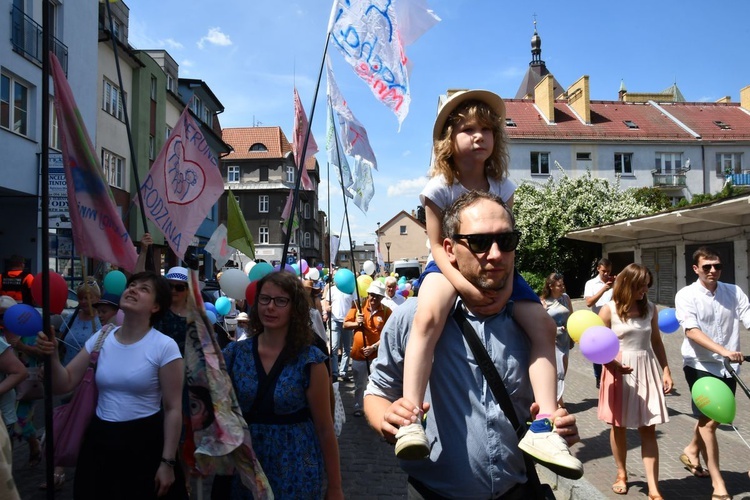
301 159
49 449
346 211
133 160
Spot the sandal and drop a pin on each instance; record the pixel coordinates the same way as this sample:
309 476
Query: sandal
35 458
59 482
621 485
695 469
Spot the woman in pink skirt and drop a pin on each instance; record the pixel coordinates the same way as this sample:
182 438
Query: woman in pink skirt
634 383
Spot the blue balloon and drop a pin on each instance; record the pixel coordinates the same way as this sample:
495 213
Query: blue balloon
23 320
223 305
259 270
115 282
344 280
211 317
210 307
668 322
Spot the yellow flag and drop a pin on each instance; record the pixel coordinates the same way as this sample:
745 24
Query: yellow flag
238 234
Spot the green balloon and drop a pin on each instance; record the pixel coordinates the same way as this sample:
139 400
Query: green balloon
715 399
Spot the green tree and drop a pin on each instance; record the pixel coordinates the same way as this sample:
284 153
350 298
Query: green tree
546 212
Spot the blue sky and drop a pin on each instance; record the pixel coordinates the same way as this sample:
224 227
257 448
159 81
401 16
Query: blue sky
252 53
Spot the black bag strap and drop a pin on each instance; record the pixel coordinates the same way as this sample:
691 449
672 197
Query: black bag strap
496 384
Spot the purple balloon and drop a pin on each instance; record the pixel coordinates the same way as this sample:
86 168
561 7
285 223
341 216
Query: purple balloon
599 344
287 267
210 307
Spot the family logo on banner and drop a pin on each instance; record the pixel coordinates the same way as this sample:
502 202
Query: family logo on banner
183 184
366 34
98 230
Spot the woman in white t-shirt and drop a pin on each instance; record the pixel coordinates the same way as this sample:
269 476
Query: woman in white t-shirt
130 446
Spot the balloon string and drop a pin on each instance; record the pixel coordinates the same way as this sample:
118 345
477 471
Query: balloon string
740 435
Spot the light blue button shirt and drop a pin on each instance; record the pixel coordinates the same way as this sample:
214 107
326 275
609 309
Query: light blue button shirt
474 448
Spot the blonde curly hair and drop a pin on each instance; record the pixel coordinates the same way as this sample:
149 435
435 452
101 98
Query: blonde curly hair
496 166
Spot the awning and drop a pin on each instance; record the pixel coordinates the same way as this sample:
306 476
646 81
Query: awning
722 214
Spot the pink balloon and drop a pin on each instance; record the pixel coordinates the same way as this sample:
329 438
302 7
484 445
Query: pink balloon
404 293
119 317
599 344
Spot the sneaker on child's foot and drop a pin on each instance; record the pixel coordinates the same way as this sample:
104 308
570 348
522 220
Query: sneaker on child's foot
412 442
548 448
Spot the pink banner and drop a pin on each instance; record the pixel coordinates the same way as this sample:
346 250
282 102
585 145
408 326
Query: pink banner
98 230
183 184
301 127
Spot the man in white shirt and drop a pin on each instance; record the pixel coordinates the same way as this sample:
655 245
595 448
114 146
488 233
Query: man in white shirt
392 298
597 292
710 313
336 304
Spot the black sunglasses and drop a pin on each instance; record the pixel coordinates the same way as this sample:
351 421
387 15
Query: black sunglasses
481 243
707 267
178 287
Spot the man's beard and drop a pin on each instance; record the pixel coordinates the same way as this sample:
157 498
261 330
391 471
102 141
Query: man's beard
482 282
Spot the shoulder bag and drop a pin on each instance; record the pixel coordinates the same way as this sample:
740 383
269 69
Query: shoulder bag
70 421
495 382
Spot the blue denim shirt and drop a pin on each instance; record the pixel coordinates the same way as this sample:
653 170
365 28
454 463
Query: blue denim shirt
474 449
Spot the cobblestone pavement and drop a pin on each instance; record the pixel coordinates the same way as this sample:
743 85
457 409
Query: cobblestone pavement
370 470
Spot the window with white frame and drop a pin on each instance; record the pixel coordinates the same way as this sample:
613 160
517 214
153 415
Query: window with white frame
539 163
728 163
263 234
197 106
170 82
624 163
14 105
54 130
290 173
233 173
113 167
306 210
153 88
307 240
112 99
168 132
667 163
402 230
263 203
151 147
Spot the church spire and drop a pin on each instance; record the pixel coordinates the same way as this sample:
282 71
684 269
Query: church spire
536 48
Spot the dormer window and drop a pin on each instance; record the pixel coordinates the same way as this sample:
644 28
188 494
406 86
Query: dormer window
630 124
510 123
258 146
722 125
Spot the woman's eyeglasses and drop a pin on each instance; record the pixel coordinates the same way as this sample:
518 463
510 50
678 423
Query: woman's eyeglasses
277 301
707 267
481 243
178 287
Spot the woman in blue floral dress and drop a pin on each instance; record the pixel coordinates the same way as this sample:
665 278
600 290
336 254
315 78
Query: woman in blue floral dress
283 389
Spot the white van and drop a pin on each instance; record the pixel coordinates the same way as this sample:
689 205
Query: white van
411 268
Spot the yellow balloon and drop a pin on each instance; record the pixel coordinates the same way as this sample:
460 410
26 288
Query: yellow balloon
580 321
363 283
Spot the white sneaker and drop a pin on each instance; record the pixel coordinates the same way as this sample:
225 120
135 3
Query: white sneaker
412 442
550 450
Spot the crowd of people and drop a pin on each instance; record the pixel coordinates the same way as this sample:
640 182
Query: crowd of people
450 377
